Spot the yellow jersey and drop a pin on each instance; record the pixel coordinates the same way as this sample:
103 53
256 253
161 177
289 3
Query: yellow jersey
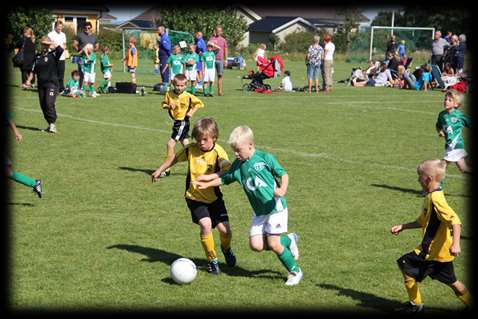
200 163
184 102
436 220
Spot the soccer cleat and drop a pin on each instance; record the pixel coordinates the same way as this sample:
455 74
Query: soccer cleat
294 240
165 173
51 128
230 257
38 188
410 307
213 267
294 278
94 94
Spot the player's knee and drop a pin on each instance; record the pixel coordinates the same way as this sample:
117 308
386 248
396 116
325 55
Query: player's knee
256 246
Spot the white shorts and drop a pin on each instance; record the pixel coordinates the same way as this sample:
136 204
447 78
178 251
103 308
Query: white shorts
191 74
272 224
89 77
455 155
107 75
209 75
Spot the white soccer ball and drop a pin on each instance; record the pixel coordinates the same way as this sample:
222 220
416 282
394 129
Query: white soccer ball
183 271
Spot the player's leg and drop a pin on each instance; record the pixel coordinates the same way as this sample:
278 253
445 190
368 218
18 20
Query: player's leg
461 292
279 244
220 220
462 166
35 184
48 107
220 73
410 264
133 77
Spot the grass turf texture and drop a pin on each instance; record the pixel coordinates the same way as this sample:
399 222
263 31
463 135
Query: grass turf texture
103 236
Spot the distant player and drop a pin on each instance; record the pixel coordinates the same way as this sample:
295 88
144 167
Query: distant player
209 70
206 205
181 106
265 183
131 59
175 63
191 60
440 244
72 88
106 68
89 63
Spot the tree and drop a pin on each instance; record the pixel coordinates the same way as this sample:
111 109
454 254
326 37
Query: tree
445 18
384 18
204 19
345 36
39 19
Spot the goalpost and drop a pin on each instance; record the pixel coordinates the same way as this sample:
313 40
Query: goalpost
373 28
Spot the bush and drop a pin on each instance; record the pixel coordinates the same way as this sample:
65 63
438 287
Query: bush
297 42
113 40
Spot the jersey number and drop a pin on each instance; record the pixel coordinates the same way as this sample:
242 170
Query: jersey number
253 184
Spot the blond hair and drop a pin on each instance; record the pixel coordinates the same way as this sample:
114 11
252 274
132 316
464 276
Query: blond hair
457 96
240 135
435 168
205 127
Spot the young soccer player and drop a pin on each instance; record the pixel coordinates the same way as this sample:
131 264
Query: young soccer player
257 172
206 205
106 67
72 88
181 106
18 177
175 63
89 62
449 125
440 244
131 59
209 70
191 59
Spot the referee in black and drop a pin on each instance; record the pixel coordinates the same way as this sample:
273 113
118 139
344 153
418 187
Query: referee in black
45 67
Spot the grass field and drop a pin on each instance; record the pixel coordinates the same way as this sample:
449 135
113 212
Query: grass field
103 236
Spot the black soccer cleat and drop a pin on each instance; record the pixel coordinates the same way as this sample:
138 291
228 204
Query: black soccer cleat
38 188
213 267
230 257
410 307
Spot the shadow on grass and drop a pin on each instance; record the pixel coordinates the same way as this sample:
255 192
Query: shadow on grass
371 301
146 171
155 255
466 237
29 128
20 204
400 189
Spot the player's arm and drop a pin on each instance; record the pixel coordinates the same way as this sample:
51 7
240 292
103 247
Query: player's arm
165 67
167 103
226 52
196 104
216 181
398 228
455 249
284 182
13 126
164 166
75 45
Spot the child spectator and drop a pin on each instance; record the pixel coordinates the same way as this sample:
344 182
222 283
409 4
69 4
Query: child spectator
131 59
286 83
181 106
191 59
209 70
175 63
106 67
89 60
402 49
448 70
441 240
206 205
72 88
424 82
156 59
265 183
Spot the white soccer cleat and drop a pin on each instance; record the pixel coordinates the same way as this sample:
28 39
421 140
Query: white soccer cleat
51 128
294 278
294 240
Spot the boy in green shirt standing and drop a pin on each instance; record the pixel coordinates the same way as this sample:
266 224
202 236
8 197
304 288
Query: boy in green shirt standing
257 172
191 60
105 69
175 63
209 70
89 62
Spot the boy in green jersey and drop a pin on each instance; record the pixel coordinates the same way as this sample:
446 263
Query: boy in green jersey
191 59
89 62
106 67
265 183
72 88
175 63
449 125
208 59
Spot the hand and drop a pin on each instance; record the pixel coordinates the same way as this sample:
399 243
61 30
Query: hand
455 249
396 229
202 178
278 192
188 116
225 63
18 136
441 133
155 176
172 106
199 184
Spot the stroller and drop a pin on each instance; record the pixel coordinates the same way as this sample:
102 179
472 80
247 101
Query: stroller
271 69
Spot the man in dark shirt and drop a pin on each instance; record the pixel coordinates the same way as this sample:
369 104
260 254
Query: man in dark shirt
82 39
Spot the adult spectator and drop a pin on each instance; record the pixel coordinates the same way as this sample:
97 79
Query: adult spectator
448 36
383 78
460 53
220 45
27 45
328 63
164 44
200 49
451 52
391 45
313 61
393 64
438 47
82 39
59 39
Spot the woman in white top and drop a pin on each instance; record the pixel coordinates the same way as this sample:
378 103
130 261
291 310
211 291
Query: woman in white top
328 64
59 39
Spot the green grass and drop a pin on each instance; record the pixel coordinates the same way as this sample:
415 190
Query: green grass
103 236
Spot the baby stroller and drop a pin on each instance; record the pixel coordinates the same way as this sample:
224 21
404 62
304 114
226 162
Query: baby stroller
268 69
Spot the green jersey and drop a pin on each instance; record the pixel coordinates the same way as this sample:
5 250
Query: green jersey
175 62
105 63
73 85
89 64
258 176
452 124
209 57
191 57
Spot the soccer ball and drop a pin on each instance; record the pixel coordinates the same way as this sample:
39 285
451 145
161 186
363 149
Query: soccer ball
183 271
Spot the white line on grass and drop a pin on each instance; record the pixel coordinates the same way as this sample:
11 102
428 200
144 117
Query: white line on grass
289 151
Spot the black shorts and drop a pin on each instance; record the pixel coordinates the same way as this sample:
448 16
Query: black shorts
216 211
180 130
418 268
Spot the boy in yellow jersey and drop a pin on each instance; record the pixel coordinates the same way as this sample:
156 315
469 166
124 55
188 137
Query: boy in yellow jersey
206 205
181 106
440 244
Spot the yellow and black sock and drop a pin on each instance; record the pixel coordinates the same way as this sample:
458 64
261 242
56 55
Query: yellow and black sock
207 242
225 241
465 298
413 291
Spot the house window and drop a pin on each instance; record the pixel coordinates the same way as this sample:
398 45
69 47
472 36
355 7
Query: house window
68 19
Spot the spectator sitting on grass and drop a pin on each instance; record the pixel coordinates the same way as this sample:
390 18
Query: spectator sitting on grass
383 78
286 83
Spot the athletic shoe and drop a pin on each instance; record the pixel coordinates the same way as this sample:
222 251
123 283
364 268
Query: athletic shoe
51 128
294 240
294 278
213 267
38 188
94 94
410 307
230 257
165 173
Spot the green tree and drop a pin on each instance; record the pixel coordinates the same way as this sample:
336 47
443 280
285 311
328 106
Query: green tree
445 18
347 32
39 19
204 19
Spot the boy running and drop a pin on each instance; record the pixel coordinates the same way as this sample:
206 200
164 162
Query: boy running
209 70
257 172
440 244
206 205
191 60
